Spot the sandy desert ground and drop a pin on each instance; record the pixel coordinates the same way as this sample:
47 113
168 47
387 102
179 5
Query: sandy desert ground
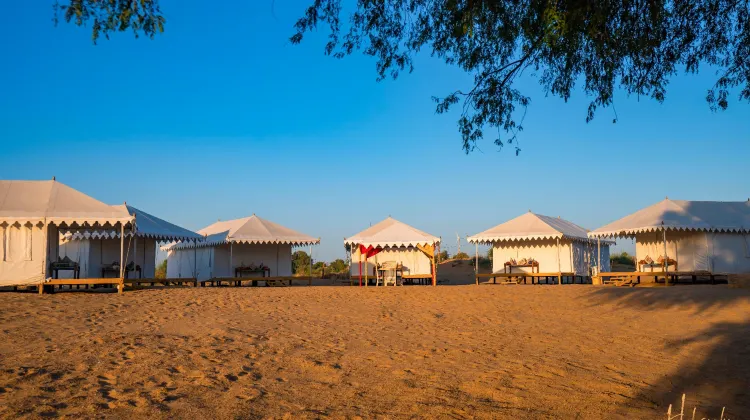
571 351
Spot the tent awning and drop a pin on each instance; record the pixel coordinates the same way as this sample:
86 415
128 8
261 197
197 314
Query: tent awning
391 233
146 226
150 226
681 215
55 203
532 226
249 230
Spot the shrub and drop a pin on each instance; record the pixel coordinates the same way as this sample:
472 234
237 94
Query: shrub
622 258
161 270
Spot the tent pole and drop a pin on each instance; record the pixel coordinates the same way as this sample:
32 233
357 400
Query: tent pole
360 267
231 250
598 254
666 259
559 269
277 259
434 267
311 263
135 251
45 257
195 260
122 257
367 268
572 268
476 258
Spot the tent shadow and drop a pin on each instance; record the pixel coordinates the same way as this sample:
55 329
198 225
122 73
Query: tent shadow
719 380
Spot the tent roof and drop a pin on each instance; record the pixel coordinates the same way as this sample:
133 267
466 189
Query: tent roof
251 230
36 201
714 216
150 226
391 232
531 226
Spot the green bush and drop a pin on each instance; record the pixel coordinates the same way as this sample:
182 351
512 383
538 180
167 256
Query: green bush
338 266
622 258
300 263
161 270
461 256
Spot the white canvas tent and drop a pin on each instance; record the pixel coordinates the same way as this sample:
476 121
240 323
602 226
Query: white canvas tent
556 244
391 240
711 236
94 249
31 212
250 241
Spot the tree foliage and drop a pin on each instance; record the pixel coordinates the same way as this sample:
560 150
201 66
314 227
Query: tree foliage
161 270
603 45
300 262
338 266
461 256
635 45
622 258
143 17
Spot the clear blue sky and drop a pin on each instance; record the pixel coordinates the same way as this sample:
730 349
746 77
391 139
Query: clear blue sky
221 117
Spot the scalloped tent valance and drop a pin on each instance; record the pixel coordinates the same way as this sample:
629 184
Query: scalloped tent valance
681 215
55 203
391 233
248 230
529 227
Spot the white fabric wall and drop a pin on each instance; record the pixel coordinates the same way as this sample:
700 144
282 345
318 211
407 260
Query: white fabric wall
77 251
731 252
575 256
106 251
181 263
23 254
543 251
276 257
698 251
214 261
413 260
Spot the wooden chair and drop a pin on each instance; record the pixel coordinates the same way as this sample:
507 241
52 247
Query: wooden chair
389 273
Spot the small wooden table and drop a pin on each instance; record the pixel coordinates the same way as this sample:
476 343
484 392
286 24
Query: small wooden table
55 268
508 267
116 270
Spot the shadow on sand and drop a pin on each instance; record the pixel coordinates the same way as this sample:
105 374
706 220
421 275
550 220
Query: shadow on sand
722 378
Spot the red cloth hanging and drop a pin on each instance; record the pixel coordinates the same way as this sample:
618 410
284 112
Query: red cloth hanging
369 251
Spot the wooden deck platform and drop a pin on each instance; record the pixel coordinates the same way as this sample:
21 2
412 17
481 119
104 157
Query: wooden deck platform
164 282
631 278
516 278
253 281
49 285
